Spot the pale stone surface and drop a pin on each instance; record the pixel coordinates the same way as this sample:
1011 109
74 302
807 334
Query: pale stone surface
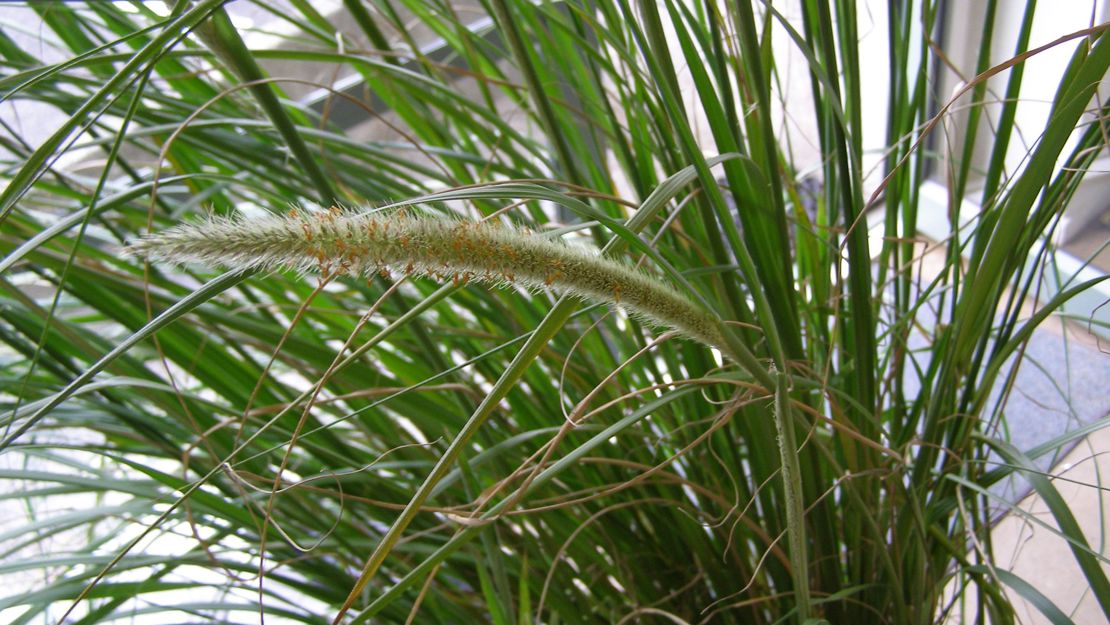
1033 552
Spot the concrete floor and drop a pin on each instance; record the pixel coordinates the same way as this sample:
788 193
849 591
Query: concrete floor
1033 552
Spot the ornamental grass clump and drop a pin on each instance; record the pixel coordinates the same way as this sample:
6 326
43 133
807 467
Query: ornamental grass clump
784 182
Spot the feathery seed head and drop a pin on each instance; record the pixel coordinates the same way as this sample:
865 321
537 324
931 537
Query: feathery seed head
331 242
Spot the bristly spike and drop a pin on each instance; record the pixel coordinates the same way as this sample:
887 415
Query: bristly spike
333 241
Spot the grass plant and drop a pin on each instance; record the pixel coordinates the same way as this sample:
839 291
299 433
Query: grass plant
286 431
